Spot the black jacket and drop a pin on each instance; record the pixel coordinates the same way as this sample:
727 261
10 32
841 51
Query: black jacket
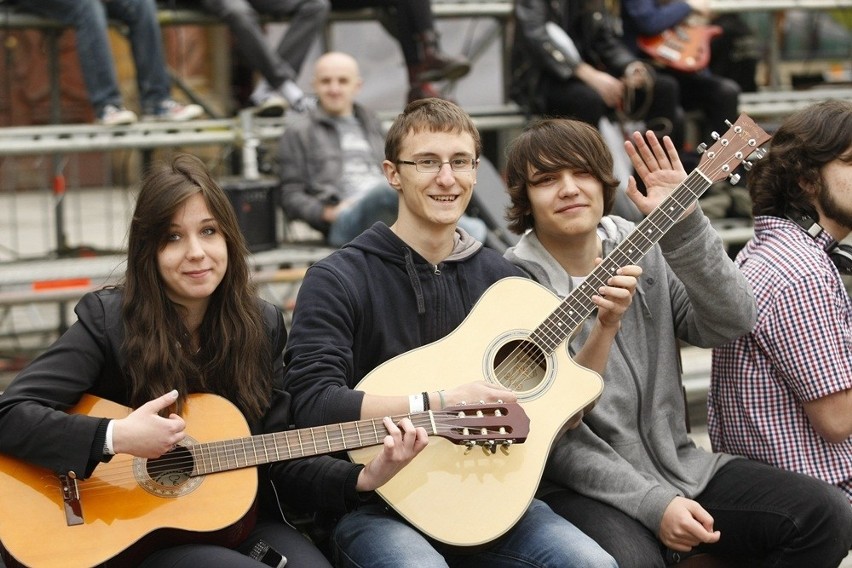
34 424
534 51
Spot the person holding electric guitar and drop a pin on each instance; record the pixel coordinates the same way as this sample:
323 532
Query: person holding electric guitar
629 476
385 296
664 32
568 61
186 319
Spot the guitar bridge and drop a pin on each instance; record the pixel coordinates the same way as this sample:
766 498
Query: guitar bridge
71 499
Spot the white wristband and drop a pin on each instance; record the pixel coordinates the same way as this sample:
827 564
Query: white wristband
108 449
415 403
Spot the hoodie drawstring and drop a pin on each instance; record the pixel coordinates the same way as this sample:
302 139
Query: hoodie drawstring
415 281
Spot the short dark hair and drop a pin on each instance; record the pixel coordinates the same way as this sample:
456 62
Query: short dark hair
434 115
806 141
551 145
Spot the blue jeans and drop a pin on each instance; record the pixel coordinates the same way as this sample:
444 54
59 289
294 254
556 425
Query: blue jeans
766 516
380 204
89 20
374 536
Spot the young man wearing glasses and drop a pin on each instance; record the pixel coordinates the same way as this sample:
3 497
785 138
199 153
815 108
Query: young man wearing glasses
393 289
330 160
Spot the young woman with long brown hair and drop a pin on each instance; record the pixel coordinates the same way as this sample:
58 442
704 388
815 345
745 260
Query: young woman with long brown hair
186 319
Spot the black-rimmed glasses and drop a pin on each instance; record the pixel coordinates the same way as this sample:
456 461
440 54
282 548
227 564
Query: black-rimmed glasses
433 166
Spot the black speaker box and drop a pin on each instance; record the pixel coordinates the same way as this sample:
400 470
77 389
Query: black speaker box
254 204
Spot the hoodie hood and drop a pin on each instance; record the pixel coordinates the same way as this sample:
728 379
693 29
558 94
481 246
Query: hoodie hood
380 241
384 243
533 258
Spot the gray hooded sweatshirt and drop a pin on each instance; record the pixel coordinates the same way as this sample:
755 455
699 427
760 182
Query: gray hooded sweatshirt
632 451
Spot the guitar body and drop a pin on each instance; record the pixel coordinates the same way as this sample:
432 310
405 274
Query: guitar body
121 503
683 48
467 499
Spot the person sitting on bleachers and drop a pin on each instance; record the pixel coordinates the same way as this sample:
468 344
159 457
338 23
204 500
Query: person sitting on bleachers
715 96
330 160
414 28
567 61
89 18
279 68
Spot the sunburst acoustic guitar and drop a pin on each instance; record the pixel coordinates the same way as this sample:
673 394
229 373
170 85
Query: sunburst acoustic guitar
130 506
516 336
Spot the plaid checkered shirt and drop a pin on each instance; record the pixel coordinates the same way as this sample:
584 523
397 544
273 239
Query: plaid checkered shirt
800 350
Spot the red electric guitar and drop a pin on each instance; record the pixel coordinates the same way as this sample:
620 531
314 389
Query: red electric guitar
684 47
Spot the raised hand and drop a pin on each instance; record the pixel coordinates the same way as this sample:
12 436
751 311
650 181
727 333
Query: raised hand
660 169
399 447
146 434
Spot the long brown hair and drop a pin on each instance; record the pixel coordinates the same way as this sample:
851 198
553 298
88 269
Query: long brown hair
234 358
806 141
551 145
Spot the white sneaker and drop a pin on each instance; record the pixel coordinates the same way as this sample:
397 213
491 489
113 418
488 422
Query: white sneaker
113 115
267 101
172 111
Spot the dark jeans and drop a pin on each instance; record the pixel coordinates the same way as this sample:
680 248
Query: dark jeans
573 98
306 19
412 17
767 517
717 97
296 548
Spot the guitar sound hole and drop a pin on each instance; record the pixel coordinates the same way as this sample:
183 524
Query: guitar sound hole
172 469
520 365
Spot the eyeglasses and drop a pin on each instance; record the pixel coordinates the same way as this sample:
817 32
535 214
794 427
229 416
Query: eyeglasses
433 166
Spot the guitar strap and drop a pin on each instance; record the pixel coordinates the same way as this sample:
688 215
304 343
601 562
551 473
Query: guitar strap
840 254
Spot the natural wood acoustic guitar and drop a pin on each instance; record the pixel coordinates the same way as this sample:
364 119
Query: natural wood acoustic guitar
516 336
685 47
130 506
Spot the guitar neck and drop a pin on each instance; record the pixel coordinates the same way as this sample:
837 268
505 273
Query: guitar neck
578 305
212 457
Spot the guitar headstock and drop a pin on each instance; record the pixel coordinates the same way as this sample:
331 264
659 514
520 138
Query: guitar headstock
742 139
485 424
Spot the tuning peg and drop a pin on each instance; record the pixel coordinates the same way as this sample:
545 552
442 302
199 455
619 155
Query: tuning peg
747 166
701 148
489 447
715 135
734 179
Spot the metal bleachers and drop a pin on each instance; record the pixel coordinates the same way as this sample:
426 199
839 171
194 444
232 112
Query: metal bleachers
769 104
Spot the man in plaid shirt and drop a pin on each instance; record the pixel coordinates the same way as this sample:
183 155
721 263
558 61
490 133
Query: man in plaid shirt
783 393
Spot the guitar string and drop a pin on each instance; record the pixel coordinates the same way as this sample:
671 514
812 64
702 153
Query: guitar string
519 366
241 450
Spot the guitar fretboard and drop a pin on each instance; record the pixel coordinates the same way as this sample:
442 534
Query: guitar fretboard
251 451
577 306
